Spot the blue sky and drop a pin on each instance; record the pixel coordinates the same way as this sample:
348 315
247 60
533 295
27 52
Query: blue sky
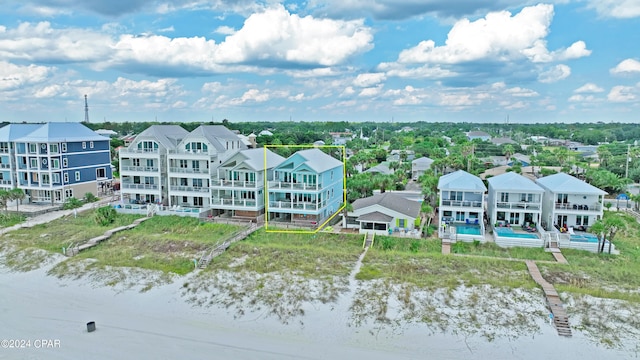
320 60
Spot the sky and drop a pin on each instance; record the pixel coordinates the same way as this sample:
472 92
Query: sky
320 60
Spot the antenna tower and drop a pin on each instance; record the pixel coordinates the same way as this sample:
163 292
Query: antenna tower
86 109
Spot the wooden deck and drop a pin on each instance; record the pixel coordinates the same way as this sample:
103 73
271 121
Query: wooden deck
560 317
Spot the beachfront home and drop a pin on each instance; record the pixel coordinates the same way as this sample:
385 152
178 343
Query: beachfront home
307 188
57 161
8 134
472 135
515 200
193 162
419 166
237 185
143 165
384 213
570 202
462 205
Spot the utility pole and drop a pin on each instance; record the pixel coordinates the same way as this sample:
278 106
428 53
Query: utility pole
626 171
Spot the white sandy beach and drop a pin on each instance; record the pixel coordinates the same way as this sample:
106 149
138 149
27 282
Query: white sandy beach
159 324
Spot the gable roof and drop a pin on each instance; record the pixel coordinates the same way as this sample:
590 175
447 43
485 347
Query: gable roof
215 135
318 160
461 180
376 216
255 159
423 161
515 182
390 201
380 169
60 131
502 141
565 183
168 135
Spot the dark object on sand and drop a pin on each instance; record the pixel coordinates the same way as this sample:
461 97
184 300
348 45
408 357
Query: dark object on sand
91 326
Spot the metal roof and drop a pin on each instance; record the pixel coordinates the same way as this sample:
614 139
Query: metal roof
318 160
375 216
461 180
390 201
11 132
515 182
168 135
60 132
565 183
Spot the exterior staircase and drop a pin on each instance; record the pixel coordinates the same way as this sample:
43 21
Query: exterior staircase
558 313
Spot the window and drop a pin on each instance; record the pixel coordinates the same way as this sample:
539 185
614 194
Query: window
563 198
56 178
68 193
53 148
91 144
455 195
34 163
77 175
64 147
84 144
136 162
504 197
183 181
55 163
65 178
45 179
331 174
197 183
33 148
150 163
195 164
197 201
101 173
183 164
65 162
402 223
184 200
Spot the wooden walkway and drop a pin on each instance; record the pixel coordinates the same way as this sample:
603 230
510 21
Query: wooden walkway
560 317
220 248
368 240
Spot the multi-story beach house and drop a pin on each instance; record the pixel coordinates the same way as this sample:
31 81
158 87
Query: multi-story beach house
8 134
57 161
420 166
513 199
237 186
462 205
143 165
193 162
307 188
569 202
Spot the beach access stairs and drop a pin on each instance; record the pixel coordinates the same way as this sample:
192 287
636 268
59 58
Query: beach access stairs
558 313
222 246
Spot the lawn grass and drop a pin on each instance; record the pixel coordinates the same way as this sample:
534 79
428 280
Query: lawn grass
7 220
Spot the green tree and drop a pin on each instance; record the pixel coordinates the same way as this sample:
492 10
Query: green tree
5 197
17 195
105 215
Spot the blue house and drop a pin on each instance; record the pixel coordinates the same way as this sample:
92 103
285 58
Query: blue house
307 188
57 161
8 135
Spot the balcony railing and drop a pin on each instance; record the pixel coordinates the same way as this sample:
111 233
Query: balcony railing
198 189
228 201
139 151
217 182
193 152
140 186
139 168
294 186
297 205
578 207
4 150
518 205
463 203
5 182
188 170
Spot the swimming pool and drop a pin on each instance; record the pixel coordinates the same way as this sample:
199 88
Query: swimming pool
507 232
468 229
585 237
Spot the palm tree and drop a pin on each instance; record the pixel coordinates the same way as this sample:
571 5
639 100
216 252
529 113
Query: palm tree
612 225
17 195
599 230
5 197
507 151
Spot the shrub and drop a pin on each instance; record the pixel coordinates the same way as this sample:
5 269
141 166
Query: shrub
457 248
476 242
387 243
415 246
105 215
89 197
72 203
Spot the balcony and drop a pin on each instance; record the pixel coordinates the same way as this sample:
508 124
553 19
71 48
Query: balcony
139 151
193 152
198 189
5 166
297 205
462 203
140 186
518 205
217 182
5 182
138 168
231 202
188 170
294 186
578 207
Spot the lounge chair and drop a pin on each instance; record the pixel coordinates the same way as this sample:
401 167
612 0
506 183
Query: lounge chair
467 221
570 230
476 222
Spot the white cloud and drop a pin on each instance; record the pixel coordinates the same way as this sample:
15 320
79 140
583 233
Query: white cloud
582 98
627 66
499 36
521 92
225 30
556 73
621 94
167 29
623 9
425 71
15 76
588 88
368 79
370 92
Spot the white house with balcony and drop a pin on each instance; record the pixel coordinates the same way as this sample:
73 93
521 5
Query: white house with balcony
307 188
237 186
193 162
420 166
514 200
569 202
461 206
143 165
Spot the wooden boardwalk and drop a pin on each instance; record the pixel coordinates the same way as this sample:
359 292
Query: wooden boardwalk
220 248
560 317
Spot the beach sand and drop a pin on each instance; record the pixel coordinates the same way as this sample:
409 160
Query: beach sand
161 324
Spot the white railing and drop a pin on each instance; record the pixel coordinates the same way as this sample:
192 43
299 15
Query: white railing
188 170
579 207
140 186
223 201
463 203
193 152
294 186
139 151
198 189
217 182
518 205
305 206
138 168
